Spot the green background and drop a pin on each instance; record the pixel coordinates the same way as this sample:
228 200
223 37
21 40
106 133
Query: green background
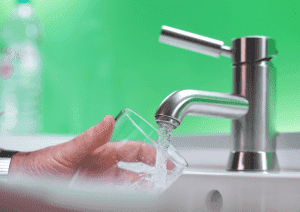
103 56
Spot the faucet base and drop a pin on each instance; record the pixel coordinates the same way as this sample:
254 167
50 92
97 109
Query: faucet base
252 161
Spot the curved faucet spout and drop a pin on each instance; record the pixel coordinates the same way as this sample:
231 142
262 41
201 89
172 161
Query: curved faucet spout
200 103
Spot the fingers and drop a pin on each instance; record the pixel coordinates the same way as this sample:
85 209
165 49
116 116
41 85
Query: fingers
101 165
147 154
134 151
107 156
75 150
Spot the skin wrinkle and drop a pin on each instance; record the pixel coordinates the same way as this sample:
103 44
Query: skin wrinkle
17 171
60 158
45 168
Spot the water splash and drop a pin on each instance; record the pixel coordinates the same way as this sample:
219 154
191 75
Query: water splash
154 177
165 131
136 167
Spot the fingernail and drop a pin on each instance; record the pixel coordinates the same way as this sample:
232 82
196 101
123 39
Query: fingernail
105 117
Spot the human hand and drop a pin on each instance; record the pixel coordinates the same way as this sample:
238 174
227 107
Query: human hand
91 151
101 165
61 161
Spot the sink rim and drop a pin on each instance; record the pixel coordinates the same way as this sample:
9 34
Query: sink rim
201 152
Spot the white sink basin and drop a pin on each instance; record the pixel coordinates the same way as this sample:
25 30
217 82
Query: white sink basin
205 186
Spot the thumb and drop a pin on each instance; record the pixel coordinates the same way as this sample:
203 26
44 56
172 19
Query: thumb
72 152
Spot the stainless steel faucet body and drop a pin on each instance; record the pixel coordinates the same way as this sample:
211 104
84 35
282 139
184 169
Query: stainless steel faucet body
251 105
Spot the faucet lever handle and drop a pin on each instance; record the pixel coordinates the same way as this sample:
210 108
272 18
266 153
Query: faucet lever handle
194 42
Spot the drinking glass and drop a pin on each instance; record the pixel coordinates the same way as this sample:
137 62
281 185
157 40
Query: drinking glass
134 149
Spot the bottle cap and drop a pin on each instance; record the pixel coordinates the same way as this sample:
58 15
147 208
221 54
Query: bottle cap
23 1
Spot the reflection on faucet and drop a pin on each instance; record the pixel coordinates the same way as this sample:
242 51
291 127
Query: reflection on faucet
251 106
200 103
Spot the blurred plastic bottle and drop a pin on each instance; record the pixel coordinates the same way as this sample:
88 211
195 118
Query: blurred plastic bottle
21 71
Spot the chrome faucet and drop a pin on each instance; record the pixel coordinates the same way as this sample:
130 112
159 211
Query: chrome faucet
251 105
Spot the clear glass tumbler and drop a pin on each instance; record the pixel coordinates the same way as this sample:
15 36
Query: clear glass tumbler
133 146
